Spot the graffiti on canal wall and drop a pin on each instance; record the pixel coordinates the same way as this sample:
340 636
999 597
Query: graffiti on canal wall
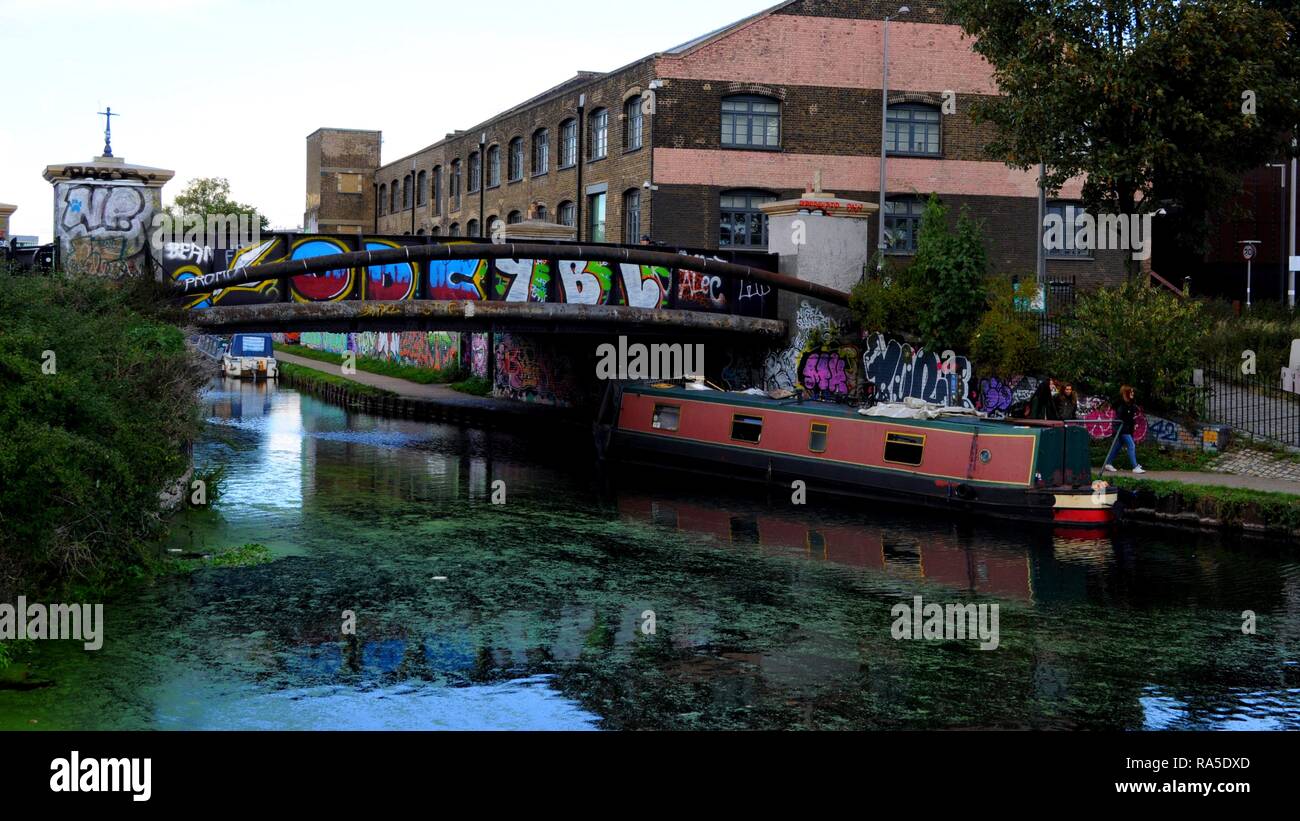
531 371
478 355
427 349
899 371
782 366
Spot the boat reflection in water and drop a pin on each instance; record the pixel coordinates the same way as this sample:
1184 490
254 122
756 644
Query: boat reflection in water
957 557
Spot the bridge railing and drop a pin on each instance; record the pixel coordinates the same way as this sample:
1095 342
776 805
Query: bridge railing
321 268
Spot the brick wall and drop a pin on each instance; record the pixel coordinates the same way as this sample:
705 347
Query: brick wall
340 167
619 171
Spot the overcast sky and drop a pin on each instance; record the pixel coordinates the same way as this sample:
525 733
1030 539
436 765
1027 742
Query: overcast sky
231 88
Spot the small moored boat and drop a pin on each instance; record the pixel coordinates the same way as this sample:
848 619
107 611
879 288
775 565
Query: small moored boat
946 458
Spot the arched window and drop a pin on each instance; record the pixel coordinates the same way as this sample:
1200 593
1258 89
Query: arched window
540 213
541 151
455 185
568 143
913 128
383 198
435 231
471 230
494 166
437 190
515 167
632 215
454 230
422 188
419 232
740 220
633 124
406 192
599 135
751 121
514 217
392 198
566 213
474 172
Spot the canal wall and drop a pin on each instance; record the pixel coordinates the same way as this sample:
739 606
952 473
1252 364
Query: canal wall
1210 507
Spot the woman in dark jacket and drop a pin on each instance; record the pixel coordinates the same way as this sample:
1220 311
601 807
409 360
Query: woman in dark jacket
1126 412
1067 404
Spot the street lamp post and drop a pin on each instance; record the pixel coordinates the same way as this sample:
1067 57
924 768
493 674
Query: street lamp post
884 134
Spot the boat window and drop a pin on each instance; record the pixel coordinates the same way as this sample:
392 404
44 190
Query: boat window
746 428
904 448
817 437
665 417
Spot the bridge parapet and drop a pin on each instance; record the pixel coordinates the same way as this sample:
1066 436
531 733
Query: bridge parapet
322 268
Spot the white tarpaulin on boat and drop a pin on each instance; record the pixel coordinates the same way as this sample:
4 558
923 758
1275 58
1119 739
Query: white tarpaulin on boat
911 408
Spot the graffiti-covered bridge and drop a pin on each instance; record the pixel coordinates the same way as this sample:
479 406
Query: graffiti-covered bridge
314 282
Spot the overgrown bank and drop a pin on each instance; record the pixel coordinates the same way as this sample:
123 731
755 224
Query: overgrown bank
99 407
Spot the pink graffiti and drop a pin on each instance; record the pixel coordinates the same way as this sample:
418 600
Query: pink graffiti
1103 423
825 372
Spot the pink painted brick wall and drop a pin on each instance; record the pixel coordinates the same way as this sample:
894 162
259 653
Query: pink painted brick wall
826 51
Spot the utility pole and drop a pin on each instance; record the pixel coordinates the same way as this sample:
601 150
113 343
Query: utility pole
884 136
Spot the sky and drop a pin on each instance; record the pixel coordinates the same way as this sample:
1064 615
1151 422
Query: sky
232 88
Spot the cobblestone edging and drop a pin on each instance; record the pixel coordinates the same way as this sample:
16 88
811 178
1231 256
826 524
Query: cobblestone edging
401 407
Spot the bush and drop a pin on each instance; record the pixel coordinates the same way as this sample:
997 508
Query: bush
1005 341
94 430
1135 335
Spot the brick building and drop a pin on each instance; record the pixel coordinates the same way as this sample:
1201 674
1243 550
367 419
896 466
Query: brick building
684 145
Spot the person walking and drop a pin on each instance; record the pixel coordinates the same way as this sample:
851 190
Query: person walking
1126 412
1067 403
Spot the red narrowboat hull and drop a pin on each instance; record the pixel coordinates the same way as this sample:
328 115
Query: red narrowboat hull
1037 471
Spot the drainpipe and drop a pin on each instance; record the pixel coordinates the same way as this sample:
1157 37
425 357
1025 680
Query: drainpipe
577 200
1295 181
482 179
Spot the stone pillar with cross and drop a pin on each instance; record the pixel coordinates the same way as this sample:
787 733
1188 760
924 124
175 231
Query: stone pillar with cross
104 212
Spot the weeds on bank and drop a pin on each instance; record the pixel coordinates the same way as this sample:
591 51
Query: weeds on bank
382 367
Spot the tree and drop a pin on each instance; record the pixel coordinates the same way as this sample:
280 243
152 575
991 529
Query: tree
1161 103
1134 335
211 195
950 268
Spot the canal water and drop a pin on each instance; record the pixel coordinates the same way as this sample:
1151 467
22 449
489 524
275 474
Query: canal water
585 604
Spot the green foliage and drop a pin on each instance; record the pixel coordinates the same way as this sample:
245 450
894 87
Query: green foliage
1232 507
211 195
1144 97
248 555
308 378
1005 342
1136 335
950 267
475 386
382 367
87 448
1154 457
887 305
1268 333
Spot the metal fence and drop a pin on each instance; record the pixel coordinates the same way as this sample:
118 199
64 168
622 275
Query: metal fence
1058 301
1252 404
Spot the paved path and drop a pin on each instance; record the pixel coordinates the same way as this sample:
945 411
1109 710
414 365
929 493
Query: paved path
440 394
1213 479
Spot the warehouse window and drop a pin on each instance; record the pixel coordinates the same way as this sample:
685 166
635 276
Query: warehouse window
634 122
421 188
1062 241
912 128
455 185
494 166
567 213
751 122
541 151
383 198
903 223
568 143
437 189
740 220
471 229
599 134
475 172
632 215
392 197
515 168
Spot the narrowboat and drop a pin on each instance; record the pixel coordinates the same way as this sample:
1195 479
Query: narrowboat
956 460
